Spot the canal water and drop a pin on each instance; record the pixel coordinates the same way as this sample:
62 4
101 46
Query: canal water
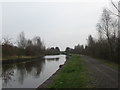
30 74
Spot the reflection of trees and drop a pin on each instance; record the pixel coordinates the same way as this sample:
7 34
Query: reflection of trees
33 68
52 59
21 72
7 73
37 65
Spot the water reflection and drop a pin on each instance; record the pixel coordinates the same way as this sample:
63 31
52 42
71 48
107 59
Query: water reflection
51 59
7 73
21 70
30 74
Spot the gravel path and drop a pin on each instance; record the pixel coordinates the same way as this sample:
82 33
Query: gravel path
103 76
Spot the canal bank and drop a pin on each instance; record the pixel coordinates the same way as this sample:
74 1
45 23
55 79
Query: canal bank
71 75
20 59
50 80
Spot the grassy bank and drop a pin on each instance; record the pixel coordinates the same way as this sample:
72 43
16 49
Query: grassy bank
73 75
109 63
17 57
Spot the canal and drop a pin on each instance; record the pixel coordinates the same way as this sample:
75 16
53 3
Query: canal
30 74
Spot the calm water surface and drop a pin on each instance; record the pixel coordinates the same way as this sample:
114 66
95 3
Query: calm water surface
30 74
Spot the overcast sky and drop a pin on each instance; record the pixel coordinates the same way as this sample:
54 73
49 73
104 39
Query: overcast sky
63 23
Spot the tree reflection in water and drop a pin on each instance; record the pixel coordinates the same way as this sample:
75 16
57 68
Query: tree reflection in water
30 74
51 59
21 71
7 73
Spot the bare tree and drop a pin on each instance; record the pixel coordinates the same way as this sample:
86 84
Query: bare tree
7 40
104 26
22 40
117 8
29 43
108 28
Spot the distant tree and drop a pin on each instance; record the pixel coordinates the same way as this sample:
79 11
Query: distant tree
78 49
7 47
6 40
24 47
38 45
90 41
53 51
57 50
29 51
29 43
68 50
22 40
105 27
91 45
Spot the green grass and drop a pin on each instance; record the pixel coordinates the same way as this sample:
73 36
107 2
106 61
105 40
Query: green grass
73 75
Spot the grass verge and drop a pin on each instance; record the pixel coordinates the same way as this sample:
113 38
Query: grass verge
17 57
72 75
109 63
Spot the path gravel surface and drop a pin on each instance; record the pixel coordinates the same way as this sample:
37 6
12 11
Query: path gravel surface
102 75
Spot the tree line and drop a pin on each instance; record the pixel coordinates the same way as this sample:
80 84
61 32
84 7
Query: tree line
107 46
26 47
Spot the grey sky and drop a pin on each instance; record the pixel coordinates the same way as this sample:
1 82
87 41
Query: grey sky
59 24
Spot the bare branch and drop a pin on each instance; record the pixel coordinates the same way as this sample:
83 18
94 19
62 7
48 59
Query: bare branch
114 13
115 6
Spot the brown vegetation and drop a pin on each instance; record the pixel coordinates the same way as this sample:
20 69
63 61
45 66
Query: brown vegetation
24 47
